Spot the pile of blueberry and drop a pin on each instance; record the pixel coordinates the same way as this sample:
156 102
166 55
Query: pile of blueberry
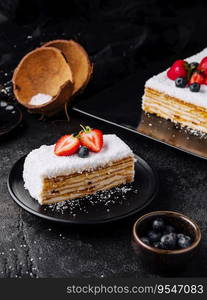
164 236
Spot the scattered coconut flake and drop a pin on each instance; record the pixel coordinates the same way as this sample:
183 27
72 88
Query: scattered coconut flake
107 199
3 104
190 131
40 99
6 89
9 107
200 134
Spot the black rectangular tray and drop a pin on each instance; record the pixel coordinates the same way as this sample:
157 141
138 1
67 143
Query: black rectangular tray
121 106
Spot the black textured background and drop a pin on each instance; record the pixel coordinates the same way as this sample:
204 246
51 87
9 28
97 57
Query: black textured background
121 37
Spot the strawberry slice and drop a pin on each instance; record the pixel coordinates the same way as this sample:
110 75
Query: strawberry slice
205 81
197 77
91 138
203 66
67 145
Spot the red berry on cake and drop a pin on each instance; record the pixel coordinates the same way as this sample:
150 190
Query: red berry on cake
67 145
203 66
197 77
178 69
91 138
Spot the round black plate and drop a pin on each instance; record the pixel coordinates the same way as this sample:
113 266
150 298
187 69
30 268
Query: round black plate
10 117
102 207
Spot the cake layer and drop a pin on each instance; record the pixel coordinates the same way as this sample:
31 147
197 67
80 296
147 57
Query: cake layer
61 181
175 110
44 171
78 185
166 86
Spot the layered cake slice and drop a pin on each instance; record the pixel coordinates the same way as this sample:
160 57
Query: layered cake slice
180 93
52 175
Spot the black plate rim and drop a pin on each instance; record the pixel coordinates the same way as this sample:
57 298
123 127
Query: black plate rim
92 222
137 132
16 124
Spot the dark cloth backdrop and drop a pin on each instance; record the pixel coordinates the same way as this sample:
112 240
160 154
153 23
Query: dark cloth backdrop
120 36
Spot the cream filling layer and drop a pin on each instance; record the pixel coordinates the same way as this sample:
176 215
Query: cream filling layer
175 111
86 177
182 122
78 185
104 185
81 185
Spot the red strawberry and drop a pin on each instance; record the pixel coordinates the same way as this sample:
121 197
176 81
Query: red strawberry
203 66
178 69
91 138
205 81
67 145
197 77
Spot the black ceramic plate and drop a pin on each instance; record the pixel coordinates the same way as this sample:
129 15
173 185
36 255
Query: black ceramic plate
10 117
102 207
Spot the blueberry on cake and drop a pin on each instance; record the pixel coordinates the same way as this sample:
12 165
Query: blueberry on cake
179 94
78 165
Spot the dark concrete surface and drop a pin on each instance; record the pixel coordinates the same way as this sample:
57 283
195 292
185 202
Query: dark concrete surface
31 247
121 37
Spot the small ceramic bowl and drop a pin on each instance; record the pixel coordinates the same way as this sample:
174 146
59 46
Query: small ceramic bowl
160 259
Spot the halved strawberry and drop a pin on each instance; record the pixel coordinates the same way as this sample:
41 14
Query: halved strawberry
203 66
91 138
197 77
205 81
67 145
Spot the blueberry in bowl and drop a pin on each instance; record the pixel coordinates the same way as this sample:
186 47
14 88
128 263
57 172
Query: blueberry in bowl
165 236
165 240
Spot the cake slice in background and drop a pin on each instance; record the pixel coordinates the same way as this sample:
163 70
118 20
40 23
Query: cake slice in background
180 93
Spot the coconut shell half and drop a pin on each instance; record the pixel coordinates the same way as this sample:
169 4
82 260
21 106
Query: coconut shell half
77 59
45 71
